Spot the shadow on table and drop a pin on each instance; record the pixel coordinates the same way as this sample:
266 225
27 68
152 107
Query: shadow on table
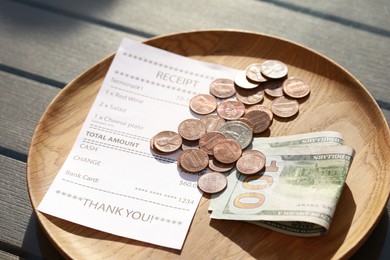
36 244
374 247
39 15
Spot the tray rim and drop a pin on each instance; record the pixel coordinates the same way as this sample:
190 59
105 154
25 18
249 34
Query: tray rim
149 41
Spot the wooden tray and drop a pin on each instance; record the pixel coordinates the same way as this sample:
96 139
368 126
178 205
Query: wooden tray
337 102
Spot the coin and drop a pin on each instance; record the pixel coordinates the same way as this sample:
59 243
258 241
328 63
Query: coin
209 140
217 166
251 162
241 80
250 96
222 88
274 88
154 148
231 109
246 121
189 144
274 69
191 129
167 142
212 182
296 87
212 122
260 120
253 73
227 151
203 104
261 108
238 131
284 107
193 160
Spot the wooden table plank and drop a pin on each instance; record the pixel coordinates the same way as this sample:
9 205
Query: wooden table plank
50 45
7 256
371 16
22 103
19 230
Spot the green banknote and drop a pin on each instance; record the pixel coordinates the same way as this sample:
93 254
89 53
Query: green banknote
296 194
322 138
312 139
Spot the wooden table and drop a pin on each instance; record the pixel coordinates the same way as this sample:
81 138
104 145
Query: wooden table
45 44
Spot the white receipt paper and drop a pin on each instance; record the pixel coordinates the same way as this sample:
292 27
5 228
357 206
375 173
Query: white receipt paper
111 180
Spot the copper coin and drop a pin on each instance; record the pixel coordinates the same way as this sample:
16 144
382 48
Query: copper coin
260 119
203 104
193 160
274 88
296 87
274 69
217 166
222 88
261 108
253 73
167 142
209 140
212 122
284 107
241 80
191 129
251 162
239 132
250 96
231 109
212 182
154 148
227 151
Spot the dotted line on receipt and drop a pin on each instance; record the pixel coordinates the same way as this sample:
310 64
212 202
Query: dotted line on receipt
124 195
148 81
120 133
119 148
159 64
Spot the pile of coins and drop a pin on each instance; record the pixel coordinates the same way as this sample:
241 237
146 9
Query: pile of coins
218 141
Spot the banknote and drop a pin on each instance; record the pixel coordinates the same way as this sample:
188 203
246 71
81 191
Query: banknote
296 194
321 138
313 139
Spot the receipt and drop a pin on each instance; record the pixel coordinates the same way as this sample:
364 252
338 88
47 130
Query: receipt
111 180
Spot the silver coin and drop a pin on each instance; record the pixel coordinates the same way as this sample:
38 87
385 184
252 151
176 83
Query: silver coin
241 81
274 69
253 72
238 131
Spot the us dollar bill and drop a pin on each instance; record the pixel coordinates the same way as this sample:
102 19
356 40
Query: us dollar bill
321 138
312 139
296 194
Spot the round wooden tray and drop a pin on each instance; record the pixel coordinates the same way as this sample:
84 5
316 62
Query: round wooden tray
337 102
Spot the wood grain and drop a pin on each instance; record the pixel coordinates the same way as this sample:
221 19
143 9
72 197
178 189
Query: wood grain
337 102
